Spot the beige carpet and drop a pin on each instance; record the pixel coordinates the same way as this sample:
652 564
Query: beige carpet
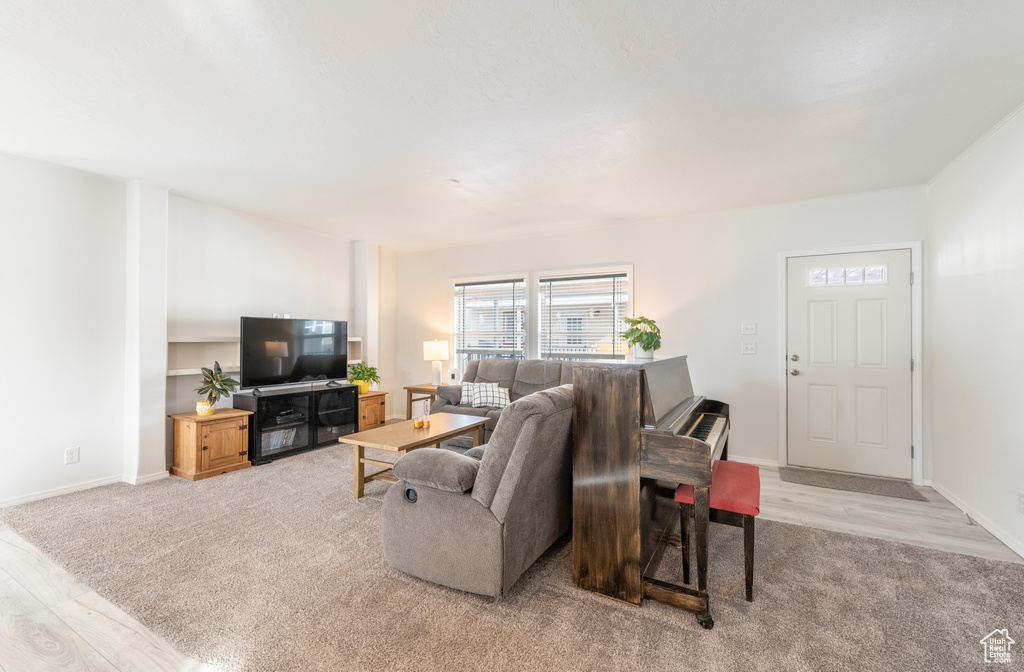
278 568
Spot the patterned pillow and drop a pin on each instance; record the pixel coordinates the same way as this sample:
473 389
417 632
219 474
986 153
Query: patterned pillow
489 395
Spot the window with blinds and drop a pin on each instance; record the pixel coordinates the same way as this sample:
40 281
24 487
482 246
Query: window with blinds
490 320
581 317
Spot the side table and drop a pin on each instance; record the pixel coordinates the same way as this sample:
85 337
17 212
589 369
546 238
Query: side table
208 445
371 410
428 391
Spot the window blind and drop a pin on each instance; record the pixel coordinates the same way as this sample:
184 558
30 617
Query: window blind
490 320
581 317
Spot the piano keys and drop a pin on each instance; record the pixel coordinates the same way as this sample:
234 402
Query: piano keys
638 431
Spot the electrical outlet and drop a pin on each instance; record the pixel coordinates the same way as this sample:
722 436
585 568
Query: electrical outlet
748 348
748 328
71 455
1020 501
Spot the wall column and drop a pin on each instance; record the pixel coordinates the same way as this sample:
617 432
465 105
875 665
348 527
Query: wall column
145 352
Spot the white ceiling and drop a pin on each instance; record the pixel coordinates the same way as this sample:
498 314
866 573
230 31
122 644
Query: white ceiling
552 114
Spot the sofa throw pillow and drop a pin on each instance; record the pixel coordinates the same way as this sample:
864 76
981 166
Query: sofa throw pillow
481 395
469 392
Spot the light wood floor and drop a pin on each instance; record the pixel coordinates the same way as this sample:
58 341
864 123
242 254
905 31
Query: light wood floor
934 524
49 621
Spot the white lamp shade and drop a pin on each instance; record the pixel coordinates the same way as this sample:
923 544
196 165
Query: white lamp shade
434 351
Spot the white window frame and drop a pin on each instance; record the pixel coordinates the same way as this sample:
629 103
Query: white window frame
533 338
496 277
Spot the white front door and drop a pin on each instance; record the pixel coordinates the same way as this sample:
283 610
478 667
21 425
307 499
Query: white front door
849 362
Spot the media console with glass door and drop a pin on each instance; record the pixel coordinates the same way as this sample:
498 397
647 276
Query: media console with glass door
292 420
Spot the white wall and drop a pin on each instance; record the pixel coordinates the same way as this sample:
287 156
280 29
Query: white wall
699 276
223 264
975 321
62 328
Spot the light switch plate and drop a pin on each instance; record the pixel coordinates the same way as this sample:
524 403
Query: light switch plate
748 348
748 328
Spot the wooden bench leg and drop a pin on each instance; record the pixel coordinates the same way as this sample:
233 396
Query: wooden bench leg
684 534
748 554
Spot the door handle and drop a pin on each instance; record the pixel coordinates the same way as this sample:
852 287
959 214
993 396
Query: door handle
794 372
795 358
206 447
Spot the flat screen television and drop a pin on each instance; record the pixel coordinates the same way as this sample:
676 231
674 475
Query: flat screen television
279 351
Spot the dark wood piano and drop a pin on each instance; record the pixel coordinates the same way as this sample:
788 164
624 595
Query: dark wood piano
638 431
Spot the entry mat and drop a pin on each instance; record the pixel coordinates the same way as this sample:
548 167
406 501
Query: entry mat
886 487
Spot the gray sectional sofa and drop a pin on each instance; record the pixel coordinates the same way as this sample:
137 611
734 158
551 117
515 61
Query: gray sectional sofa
520 377
476 522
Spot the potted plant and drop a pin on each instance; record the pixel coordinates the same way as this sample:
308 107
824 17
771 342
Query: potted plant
362 375
643 336
215 385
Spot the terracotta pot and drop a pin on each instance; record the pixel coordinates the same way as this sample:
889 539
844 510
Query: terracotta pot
204 407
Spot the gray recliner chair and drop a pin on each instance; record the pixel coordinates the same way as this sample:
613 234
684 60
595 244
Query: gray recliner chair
476 522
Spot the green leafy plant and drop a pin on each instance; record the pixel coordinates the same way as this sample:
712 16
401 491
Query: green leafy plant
643 332
360 371
216 384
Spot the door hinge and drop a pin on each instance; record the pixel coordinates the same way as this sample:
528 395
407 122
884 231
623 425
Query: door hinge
911 364
911 452
911 277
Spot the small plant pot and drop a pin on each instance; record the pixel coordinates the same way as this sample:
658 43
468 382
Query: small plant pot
641 355
363 385
204 407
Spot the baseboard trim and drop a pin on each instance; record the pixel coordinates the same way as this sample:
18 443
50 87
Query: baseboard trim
761 462
46 494
999 533
141 480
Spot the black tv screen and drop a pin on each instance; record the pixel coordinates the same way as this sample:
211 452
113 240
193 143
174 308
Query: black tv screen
284 351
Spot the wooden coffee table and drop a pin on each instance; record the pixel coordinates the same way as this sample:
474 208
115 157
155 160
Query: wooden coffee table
401 437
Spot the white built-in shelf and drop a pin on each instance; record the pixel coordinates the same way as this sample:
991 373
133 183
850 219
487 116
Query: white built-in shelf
191 350
228 339
196 372
186 354
202 339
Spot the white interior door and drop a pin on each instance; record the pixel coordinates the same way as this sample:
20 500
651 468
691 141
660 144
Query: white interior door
849 382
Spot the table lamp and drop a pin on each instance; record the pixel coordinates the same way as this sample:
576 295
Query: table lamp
435 351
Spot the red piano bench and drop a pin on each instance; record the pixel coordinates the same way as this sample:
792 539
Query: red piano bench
735 500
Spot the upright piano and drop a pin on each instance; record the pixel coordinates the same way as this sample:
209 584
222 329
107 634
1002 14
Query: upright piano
638 431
